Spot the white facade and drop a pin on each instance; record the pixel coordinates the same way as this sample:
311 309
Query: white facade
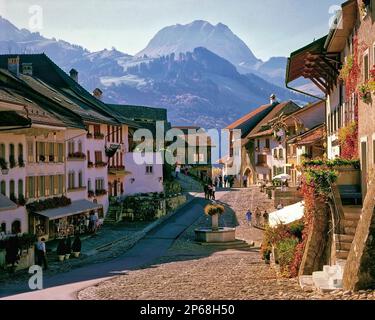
270 158
97 166
143 177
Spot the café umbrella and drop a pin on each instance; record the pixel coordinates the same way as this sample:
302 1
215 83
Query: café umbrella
282 176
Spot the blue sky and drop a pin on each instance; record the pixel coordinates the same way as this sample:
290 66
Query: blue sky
268 27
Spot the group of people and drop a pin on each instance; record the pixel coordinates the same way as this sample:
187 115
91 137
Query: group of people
223 182
209 191
258 216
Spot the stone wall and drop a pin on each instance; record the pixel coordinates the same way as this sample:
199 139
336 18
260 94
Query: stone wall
318 244
359 272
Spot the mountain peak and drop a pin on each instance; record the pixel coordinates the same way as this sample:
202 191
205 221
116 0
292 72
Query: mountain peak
218 39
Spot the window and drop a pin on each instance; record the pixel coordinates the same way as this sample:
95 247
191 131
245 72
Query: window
99 184
89 185
258 143
12 159
80 179
41 151
20 152
41 186
20 188
262 159
366 67
60 152
70 147
30 151
88 156
98 156
12 191
71 178
3 227
281 153
56 184
3 188
268 143
275 153
51 152
30 183
149 169
61 184
274 170
2 151
80 146
96 129
52 185
47 186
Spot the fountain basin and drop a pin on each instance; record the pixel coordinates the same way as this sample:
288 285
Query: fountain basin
221 235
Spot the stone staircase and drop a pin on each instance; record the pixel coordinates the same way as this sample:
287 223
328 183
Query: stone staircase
330 278
114 214
189 184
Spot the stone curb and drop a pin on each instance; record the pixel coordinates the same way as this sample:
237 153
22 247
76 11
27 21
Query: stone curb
141 234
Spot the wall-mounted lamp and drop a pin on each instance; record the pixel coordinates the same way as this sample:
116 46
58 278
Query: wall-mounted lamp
160 179
132 180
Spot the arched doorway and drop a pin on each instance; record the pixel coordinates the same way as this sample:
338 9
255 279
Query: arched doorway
16 226
247 178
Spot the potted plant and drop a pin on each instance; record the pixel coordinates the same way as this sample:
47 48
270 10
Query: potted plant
3 166
68 248
365 92
76 247
214 210
61 250
21 163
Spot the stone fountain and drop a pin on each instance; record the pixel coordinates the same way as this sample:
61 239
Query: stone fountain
215 234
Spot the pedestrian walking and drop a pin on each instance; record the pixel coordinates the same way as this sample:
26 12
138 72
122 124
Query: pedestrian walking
209 191
213 190
258 215
220 181
265 218
41 253
248 216
93 219
244 179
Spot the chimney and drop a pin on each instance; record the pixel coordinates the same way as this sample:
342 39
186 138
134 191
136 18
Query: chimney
74 74
273 99
97 93
27 68
14 65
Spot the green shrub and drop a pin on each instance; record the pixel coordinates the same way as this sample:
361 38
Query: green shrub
285 249
296 228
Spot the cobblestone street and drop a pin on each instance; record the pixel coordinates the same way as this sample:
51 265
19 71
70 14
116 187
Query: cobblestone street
192 271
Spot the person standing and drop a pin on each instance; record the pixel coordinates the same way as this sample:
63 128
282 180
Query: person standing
220 181
213 192
265 218
41 253
177 170
244 179
225 181
248 216
205 189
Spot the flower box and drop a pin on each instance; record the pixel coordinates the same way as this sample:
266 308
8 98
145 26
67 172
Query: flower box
77 156
98 136
91 194
100 164
100 192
